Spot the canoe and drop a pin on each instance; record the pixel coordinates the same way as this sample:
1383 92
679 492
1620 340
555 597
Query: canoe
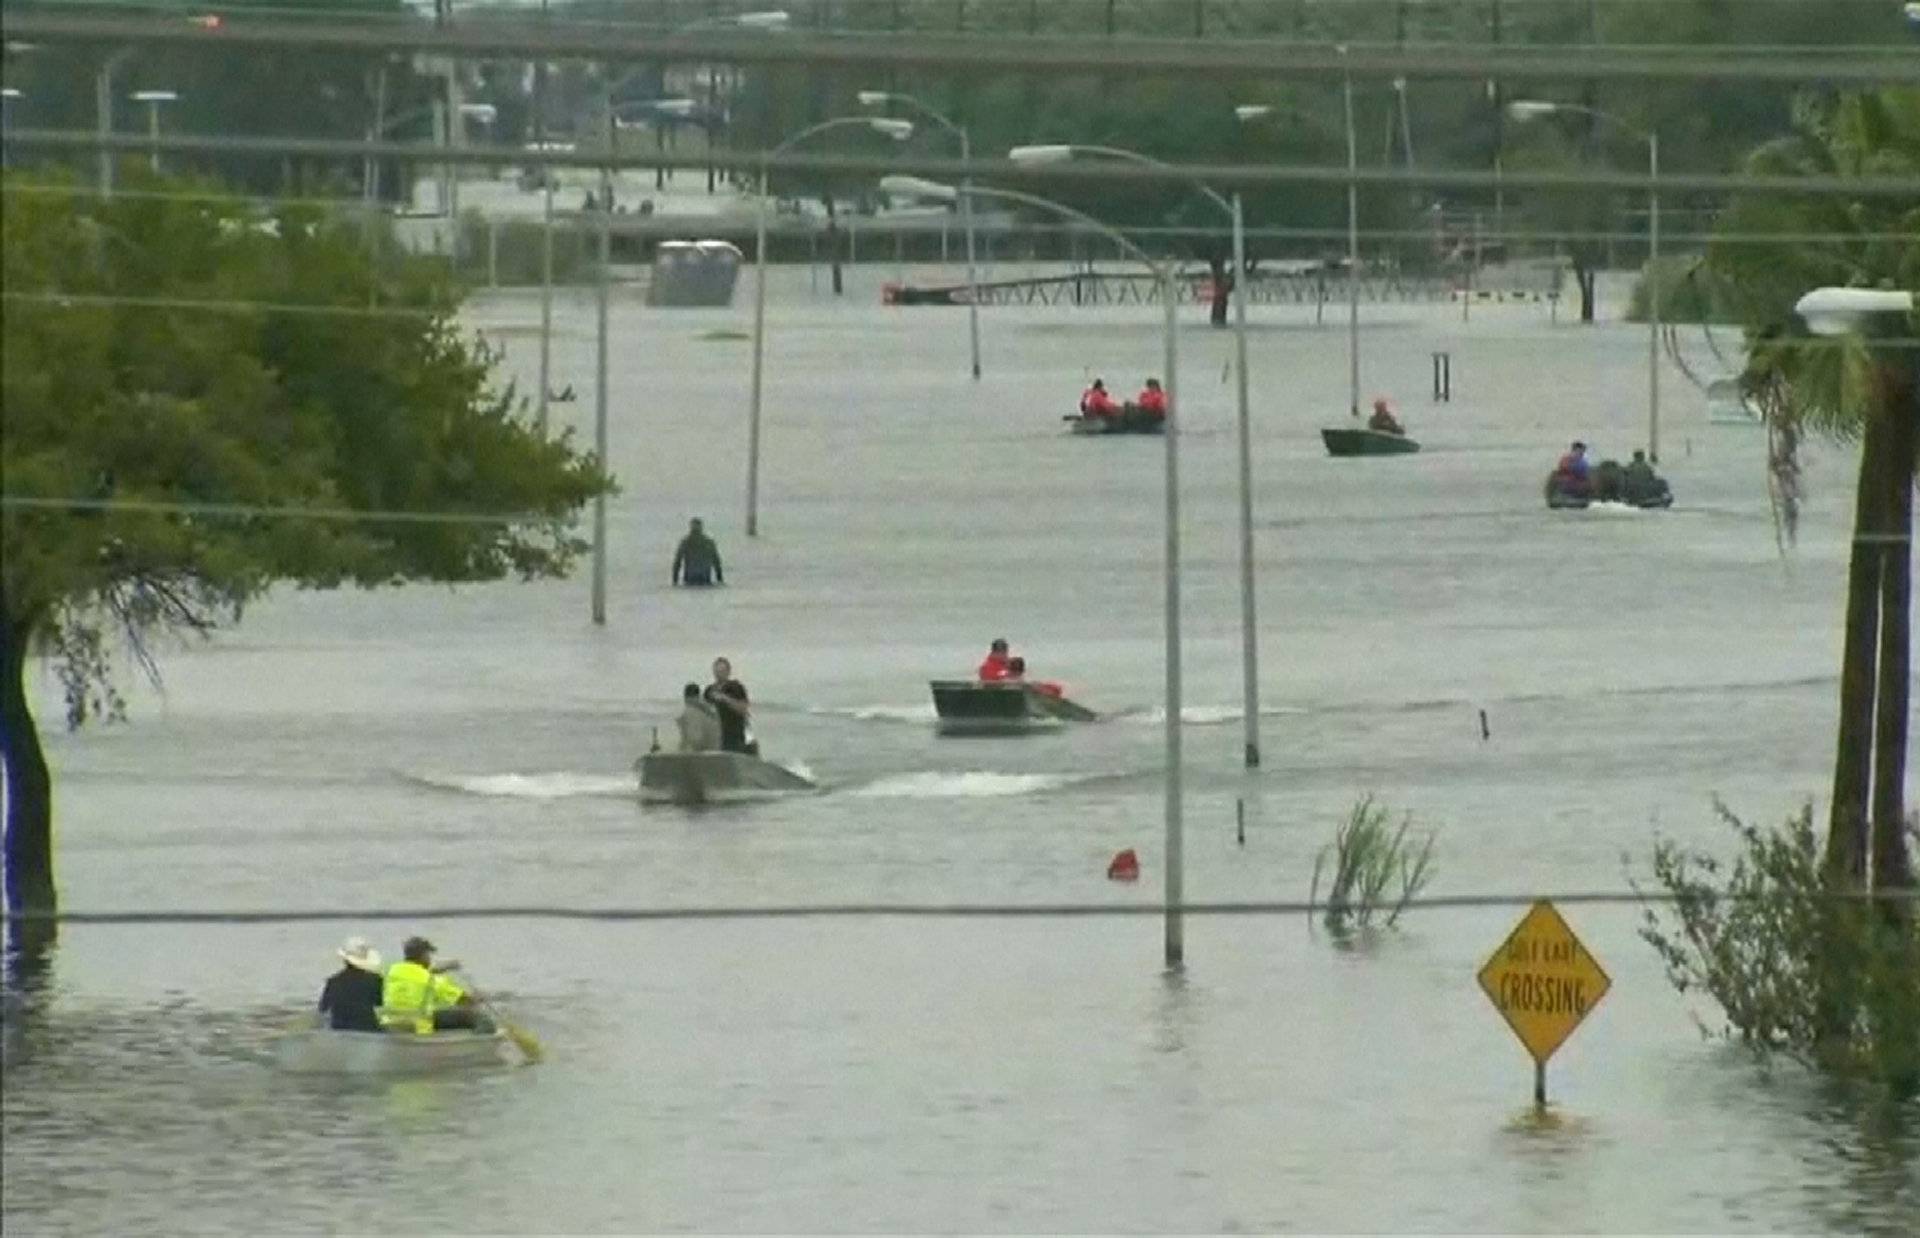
1132 421
702 777
322 1051
969 707
1347 441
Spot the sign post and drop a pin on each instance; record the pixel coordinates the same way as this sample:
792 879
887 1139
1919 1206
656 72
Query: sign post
1543 982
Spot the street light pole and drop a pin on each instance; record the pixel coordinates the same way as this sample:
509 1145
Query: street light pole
1175 845
899 131
1528 109
1653 297
875 97
1353 253
1249 631
1249 627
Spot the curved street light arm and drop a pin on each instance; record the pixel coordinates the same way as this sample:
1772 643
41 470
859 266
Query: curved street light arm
1061 209
909 101
1130 156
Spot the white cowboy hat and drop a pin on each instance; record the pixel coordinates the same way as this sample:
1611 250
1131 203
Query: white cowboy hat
357 953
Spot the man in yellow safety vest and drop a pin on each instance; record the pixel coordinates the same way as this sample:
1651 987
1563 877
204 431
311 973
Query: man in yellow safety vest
421 996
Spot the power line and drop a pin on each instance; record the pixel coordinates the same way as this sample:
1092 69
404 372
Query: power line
941 911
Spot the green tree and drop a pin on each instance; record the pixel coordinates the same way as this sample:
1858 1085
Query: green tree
181 369
1855 389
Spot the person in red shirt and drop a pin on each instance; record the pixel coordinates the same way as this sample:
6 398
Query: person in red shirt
996 667
1095 402
1017 672
1152 400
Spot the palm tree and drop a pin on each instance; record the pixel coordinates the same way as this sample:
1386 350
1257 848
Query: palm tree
1769 251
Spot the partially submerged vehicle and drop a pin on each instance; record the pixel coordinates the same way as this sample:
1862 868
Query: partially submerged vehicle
323 1051
974 707
692 778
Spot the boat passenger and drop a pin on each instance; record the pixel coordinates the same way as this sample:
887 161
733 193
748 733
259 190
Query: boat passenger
419 995
1383 419
1642 484
351 998
995 666
1572 472
1095 402
1152 400
699 722
697 561
728 696
1017 672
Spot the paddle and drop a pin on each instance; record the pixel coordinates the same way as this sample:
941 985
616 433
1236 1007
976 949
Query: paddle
523 1040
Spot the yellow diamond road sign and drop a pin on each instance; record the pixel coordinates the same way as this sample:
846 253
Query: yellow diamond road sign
1543 981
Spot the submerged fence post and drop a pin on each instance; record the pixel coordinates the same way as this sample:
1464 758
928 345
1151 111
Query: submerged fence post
1443 377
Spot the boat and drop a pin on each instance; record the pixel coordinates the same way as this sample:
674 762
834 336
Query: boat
1130 420
1348 441
1560 499
323 1051
701 777
971 707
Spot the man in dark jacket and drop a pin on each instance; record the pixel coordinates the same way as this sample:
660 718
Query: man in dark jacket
697 561
351 998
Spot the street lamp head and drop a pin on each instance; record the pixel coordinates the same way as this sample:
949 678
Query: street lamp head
1053 152
672 107
154 96
9 92
1247 112
898 130
769 19
873 98
917 187
1531 109
485 113
1840 311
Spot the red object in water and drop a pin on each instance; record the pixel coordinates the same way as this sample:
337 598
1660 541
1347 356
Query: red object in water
1125 867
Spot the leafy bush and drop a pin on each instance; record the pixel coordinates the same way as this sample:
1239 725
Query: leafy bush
1372 867
1797 964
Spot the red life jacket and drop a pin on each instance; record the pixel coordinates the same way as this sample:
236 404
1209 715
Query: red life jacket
994 668
1095 402
1152 401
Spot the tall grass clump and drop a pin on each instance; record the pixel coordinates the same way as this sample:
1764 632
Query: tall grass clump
1799 965
1374 868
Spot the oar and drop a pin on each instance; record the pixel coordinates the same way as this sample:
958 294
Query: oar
523 1040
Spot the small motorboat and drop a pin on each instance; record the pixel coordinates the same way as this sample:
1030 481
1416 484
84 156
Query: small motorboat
1129 420
323 1051
971 707
702 777
1348 441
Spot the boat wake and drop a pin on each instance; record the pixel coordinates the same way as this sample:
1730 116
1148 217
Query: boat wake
1202 715
922 712
552 786
967 784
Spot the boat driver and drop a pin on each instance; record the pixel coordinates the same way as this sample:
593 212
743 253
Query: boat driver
419 994
351 998
1383 419
728 696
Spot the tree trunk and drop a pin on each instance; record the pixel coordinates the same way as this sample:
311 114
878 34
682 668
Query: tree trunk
1846 855
28 841
1584 278
1222 290
1892 866
833 245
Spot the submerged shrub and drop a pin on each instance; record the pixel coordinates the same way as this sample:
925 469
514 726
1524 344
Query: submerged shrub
1797 965
1373 868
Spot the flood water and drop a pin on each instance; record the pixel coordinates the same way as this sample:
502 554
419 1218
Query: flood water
431 748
